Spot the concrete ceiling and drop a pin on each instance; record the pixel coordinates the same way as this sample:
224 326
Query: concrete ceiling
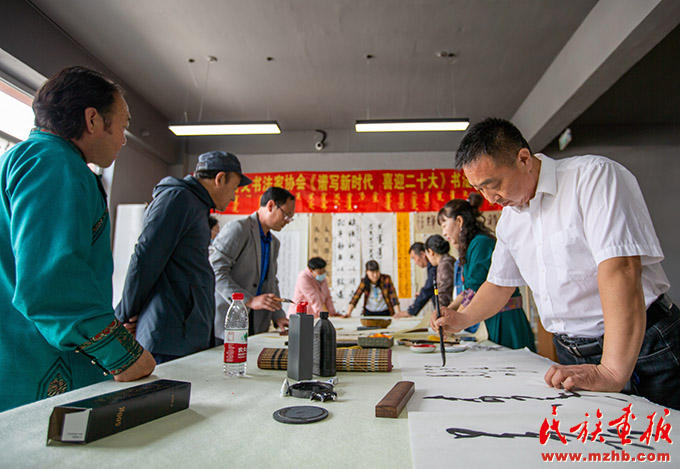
648 93
303 62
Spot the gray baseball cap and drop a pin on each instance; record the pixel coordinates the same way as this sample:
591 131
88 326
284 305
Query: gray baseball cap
221 161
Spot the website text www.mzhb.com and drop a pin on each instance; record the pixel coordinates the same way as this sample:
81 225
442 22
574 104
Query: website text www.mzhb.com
613 456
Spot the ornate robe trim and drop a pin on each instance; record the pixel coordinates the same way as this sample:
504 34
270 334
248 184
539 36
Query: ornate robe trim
56 380
102 335
57 386
114 331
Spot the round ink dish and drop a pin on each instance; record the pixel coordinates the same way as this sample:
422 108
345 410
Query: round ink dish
300 414
423 348
455 348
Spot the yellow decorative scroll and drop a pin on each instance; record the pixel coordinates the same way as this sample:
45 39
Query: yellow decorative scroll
403 259
320 240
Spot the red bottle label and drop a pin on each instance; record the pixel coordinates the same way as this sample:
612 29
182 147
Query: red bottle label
235 345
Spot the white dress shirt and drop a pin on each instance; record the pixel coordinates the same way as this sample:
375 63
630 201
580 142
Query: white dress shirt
586 209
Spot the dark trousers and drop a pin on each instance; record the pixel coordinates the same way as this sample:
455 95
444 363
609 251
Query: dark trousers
377 313
163 358
657 372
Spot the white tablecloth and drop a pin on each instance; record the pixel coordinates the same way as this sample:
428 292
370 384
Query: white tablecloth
229 422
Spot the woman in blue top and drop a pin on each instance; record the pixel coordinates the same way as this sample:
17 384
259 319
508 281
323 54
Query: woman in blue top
463 224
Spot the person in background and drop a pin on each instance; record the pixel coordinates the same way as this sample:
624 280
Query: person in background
58 328
417 253
462 222
312 287
457 277
437 252
578 232
245 261
459 286
214 227
214 231
381 298
169 290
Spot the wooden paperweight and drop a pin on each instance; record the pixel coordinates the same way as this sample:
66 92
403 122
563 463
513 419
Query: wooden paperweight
394 401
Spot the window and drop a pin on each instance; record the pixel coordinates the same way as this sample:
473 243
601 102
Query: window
16 114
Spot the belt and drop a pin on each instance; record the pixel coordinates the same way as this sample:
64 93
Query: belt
661 308
513 303
665 302
583 350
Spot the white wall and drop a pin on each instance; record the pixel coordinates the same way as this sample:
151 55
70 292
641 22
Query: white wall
135 174
652 154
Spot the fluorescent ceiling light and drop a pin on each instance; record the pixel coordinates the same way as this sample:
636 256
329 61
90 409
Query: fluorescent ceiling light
183 129
16 117
412 125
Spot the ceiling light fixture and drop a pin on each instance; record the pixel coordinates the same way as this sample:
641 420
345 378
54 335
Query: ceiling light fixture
411 125
194 129
185 129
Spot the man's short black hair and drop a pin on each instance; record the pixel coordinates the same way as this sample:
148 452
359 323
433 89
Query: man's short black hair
278 194
206 174
60 103
497 138
417 248
316 263
212 221
372 266
210 173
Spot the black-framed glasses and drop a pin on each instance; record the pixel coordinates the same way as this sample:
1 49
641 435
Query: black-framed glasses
285 215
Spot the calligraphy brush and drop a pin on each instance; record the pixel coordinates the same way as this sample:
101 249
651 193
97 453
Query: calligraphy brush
441 330
284 300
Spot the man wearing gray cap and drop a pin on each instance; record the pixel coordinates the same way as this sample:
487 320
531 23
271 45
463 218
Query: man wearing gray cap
168 299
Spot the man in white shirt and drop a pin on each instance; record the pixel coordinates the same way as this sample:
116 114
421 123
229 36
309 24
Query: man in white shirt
578 232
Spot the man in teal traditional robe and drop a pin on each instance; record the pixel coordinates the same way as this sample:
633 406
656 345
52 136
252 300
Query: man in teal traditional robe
58 328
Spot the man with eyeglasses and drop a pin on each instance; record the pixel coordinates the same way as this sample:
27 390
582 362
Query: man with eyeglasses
245 261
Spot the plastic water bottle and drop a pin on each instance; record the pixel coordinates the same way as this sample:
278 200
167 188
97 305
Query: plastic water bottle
236 337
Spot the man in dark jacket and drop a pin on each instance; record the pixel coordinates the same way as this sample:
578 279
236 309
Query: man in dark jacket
169 291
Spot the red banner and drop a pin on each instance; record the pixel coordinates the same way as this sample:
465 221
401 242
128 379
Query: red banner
358 191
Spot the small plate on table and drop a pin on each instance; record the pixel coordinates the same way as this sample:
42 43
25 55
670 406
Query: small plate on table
423 348
453 348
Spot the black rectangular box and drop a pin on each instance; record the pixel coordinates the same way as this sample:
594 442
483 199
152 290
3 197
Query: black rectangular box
94 418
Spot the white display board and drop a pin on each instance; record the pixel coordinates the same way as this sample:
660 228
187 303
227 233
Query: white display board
288 265
377 242
347 269
223 219
129 224
292 259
